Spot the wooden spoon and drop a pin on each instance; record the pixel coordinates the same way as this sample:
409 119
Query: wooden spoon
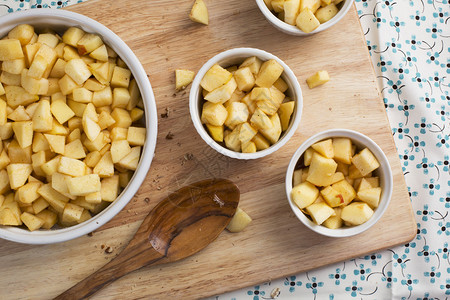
180 225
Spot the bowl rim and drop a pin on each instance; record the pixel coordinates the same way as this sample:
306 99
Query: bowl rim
386 180
245 52
293 30
55 17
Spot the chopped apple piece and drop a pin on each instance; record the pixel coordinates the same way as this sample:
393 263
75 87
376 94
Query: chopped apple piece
216 132
18 174
84 185
10 49
31 221
270 71
371 196
342 148
356 213
215 77
325 148
199 12
304 194
319 78
365 162
24 133
239 221
306 21
321 170
319 212
222 93
285 112
335 221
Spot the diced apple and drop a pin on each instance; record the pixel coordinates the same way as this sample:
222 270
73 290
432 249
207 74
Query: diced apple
356 213
307 156
24 133
72 35
110 188
214 113
74 149
122 117
10 49
131 161
120 77
319 212
215 77
61 111
270 71
39 205
285 111
22 32
260 120
261 142
325 148
304 194
100 54
237 113
254 63
335 221
199 12
31 221
273 133
183 78
84 185
71 166
136 136
105 167
28 192
245 79
239 221
365 162
56 200
18 174
216 132
326 13
222 93
321 170
232 139
319 78
291 10
371 196
88 43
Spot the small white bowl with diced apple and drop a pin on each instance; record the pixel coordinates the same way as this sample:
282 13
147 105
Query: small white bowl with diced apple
59 21
339 183
312 16
238 119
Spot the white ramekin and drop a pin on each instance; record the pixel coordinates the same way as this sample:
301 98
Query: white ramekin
294 30
237 56
384 172
59 20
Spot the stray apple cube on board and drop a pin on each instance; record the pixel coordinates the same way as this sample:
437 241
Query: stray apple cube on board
319 78
348 192
239 221
199 12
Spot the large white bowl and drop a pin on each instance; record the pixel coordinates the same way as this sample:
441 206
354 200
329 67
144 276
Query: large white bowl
233 57
294 30
383 172
59 20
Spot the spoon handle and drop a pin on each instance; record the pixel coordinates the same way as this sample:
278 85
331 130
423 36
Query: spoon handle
133 257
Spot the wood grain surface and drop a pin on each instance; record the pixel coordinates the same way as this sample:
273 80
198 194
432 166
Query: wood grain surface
276 244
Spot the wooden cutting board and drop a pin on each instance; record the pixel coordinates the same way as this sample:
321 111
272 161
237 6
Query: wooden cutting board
276 244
